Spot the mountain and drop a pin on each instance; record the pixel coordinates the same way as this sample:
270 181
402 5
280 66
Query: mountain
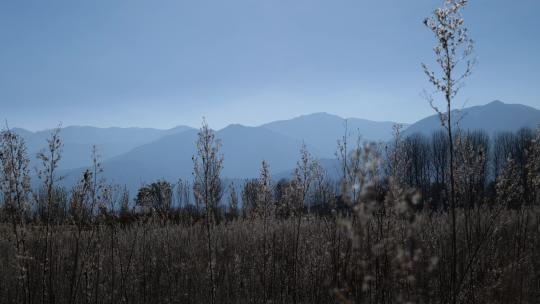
137 156
170 157
493 117
320 131
78 142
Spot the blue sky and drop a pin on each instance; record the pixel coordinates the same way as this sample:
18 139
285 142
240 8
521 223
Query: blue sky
166 63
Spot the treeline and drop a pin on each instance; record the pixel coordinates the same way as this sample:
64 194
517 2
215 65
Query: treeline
480 163
418 161
422 163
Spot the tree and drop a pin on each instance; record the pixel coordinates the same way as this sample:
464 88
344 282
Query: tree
250 201
162 194
233 202
323 195
14 178
350 166
281 196
265 211
124 213
533 169
207 165
439 155
396 162
50 158
15 189
88 194
503 149
81 200
416 149
453 47
299 190
265 196
98 183
157 196
509 189
182 194
471 166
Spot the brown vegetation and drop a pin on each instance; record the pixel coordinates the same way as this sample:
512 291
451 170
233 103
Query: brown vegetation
370 239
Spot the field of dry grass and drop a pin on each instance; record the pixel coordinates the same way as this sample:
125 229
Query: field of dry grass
387 258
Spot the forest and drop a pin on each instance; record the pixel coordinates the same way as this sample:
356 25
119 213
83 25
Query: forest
453 217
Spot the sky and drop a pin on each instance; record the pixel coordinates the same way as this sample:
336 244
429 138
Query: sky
160 63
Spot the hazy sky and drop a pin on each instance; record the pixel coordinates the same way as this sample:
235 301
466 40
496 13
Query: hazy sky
165 63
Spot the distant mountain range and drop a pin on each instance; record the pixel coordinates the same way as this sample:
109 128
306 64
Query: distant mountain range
78 142
134 156
320 131
493 117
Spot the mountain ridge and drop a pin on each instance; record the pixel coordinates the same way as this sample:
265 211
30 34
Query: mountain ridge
168 155
493 117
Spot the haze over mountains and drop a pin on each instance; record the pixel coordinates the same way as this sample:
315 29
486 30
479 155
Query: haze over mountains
320 131
493 117
78 141
133 156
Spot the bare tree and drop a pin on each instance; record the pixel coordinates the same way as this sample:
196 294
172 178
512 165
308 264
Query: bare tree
453 47
439 159
15 188
350 166
81 215
156 197
14 178
266 212
250 201
396 161
233 202
341 153
300 188
509 189
50 158
323 195
471 166
182 193
265 196
533 168
207 165
98 182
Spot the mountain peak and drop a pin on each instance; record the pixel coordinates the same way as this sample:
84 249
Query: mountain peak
319 115
234 126
496 103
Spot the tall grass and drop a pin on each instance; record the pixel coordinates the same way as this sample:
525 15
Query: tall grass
390 259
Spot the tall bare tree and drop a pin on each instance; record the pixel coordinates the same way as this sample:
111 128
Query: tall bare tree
300 188
207 165
232 202
266 212
15 189
453 48
50 158
14 177
265 196
533 168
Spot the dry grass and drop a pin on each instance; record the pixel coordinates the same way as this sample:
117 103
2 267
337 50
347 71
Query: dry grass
392 260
